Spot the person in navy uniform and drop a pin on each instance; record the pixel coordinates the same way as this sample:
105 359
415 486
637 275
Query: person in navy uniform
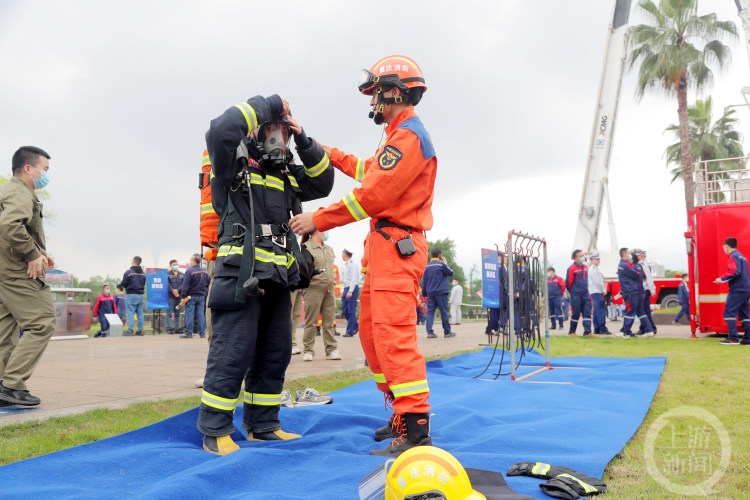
683 297
555 292
736 305
577 283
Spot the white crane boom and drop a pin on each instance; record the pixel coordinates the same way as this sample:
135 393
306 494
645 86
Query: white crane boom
595 192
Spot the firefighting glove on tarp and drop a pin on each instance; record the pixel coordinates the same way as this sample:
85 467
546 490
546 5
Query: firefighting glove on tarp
564 482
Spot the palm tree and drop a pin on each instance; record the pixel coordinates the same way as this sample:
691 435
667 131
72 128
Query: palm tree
674 53
708 141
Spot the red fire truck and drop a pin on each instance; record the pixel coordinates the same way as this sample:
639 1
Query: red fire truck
722 210
664 298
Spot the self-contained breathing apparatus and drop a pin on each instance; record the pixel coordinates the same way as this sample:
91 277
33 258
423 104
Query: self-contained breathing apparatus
272 144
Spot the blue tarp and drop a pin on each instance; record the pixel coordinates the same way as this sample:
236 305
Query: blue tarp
580 415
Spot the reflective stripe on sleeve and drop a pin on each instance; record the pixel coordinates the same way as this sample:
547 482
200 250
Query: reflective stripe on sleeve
292 181
355 209
206 161
262 399
207 208
318 169
379 378
249 113
409 388
225 404
359 170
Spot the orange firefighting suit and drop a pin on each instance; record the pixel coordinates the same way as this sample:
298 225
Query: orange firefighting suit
209 220
397 187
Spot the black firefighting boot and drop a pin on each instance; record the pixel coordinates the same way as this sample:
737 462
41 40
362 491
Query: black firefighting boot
388 431
414 431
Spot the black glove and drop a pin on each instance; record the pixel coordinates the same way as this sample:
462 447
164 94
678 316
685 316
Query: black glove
521 469
572 487
275 105
302 141
562 488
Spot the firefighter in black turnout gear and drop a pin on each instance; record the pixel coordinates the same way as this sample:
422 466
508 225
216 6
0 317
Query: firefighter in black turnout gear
255 189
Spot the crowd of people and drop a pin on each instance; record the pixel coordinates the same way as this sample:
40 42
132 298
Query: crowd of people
258 268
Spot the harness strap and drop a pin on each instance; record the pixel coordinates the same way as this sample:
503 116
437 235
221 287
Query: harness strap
236 230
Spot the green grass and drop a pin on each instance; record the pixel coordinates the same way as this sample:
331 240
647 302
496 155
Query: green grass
699 372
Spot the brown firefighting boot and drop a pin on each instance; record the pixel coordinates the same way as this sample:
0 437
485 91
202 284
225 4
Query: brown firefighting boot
415 431
277 435
219 445
388 431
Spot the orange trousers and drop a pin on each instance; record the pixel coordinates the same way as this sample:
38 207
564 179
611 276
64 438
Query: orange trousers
388 318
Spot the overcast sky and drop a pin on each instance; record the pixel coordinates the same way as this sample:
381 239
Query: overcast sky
121 94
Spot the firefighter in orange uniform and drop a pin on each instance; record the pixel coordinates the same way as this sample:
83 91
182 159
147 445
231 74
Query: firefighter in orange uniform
396 194
209 229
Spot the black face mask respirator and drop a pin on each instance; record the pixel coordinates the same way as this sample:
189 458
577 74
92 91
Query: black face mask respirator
273 143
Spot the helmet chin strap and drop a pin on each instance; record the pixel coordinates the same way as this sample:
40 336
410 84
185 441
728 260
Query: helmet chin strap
377 116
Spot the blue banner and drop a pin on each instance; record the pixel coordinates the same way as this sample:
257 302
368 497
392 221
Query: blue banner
157 289
490 279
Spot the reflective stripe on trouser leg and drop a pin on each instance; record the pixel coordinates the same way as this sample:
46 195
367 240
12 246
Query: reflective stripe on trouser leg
393 287
586 311
634 304
736 305
265 376
237 347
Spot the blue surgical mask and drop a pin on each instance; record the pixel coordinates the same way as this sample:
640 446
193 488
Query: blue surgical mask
175 268
43 179
203 266
106 292
582 260
549 275
325 236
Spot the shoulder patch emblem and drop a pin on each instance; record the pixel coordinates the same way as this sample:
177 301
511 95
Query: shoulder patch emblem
389 157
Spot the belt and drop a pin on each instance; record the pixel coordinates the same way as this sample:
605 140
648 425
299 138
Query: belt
381 223
236 230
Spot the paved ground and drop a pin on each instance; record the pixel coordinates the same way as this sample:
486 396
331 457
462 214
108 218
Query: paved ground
78 375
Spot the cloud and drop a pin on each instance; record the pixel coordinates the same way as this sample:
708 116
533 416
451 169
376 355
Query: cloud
121 96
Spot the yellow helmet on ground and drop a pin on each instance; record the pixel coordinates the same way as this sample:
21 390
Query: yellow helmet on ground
426 472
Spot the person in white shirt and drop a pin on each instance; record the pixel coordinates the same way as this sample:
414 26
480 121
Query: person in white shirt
350 282
455 299
598 291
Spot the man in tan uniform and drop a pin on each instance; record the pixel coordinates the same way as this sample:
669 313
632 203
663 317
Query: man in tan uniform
320 299
25 296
